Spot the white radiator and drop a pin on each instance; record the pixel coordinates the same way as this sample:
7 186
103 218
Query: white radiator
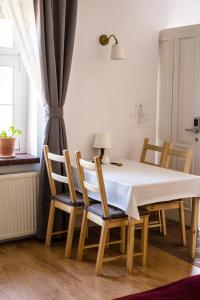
18 202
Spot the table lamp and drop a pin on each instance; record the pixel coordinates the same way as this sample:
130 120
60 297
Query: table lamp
103 141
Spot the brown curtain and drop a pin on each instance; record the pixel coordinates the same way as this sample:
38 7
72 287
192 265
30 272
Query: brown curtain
56 22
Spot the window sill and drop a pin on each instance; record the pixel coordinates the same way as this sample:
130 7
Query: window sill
19 159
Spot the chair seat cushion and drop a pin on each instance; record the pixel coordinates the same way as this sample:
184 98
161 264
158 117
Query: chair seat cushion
115 213
65 198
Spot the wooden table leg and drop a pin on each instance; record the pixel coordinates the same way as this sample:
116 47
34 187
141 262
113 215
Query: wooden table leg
194 226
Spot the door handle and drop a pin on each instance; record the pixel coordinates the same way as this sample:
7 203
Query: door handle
195 130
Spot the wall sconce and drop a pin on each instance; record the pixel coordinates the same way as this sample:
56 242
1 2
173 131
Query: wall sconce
117 51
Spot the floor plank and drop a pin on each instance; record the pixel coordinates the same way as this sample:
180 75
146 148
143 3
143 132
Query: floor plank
29 270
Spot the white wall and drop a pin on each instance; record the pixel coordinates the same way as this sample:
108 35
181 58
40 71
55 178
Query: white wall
102 93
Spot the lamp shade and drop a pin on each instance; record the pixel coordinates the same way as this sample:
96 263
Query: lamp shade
117 52
102 140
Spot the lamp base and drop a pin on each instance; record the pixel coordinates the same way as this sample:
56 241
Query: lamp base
102 154
105 159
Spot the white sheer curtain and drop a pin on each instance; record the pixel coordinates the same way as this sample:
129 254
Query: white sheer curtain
21 13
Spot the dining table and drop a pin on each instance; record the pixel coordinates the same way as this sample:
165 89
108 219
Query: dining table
132 184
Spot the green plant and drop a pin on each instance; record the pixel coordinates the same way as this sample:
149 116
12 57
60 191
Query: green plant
11 133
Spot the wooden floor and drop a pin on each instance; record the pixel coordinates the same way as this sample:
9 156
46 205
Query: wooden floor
29 270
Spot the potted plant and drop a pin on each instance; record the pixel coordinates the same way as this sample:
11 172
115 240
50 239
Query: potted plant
7 142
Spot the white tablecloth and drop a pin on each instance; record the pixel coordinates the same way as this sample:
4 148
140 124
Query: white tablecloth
135 184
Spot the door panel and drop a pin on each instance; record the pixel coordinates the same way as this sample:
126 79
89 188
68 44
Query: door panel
184 83
165 84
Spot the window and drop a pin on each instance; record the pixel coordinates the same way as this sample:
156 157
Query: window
13 83
6 98
6 34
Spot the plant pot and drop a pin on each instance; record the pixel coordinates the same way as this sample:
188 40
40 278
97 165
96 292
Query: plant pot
7 146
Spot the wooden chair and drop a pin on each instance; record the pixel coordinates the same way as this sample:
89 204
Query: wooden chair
178 204
150 147
69 203
143 159
104 215
186 155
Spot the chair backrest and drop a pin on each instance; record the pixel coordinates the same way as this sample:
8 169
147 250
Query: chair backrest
186 155
65 159
99 187
161 149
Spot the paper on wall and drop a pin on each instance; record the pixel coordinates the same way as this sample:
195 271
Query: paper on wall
143 113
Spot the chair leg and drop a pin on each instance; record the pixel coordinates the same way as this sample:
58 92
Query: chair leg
83 233
130 247
50 223
70 232
102 244
164 227
87 232
160 221
123 239
144 239
182 223
108 238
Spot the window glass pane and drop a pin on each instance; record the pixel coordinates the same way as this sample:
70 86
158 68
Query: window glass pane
6 33
6 85
6 117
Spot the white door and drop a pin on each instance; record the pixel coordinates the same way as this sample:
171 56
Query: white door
179 94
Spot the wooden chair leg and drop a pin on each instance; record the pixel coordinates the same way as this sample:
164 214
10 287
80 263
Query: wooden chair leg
70 232
144 239
164 227
50 223
182 223
108 238
160 221
84 226
123 239
130 247
87 232
102 244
